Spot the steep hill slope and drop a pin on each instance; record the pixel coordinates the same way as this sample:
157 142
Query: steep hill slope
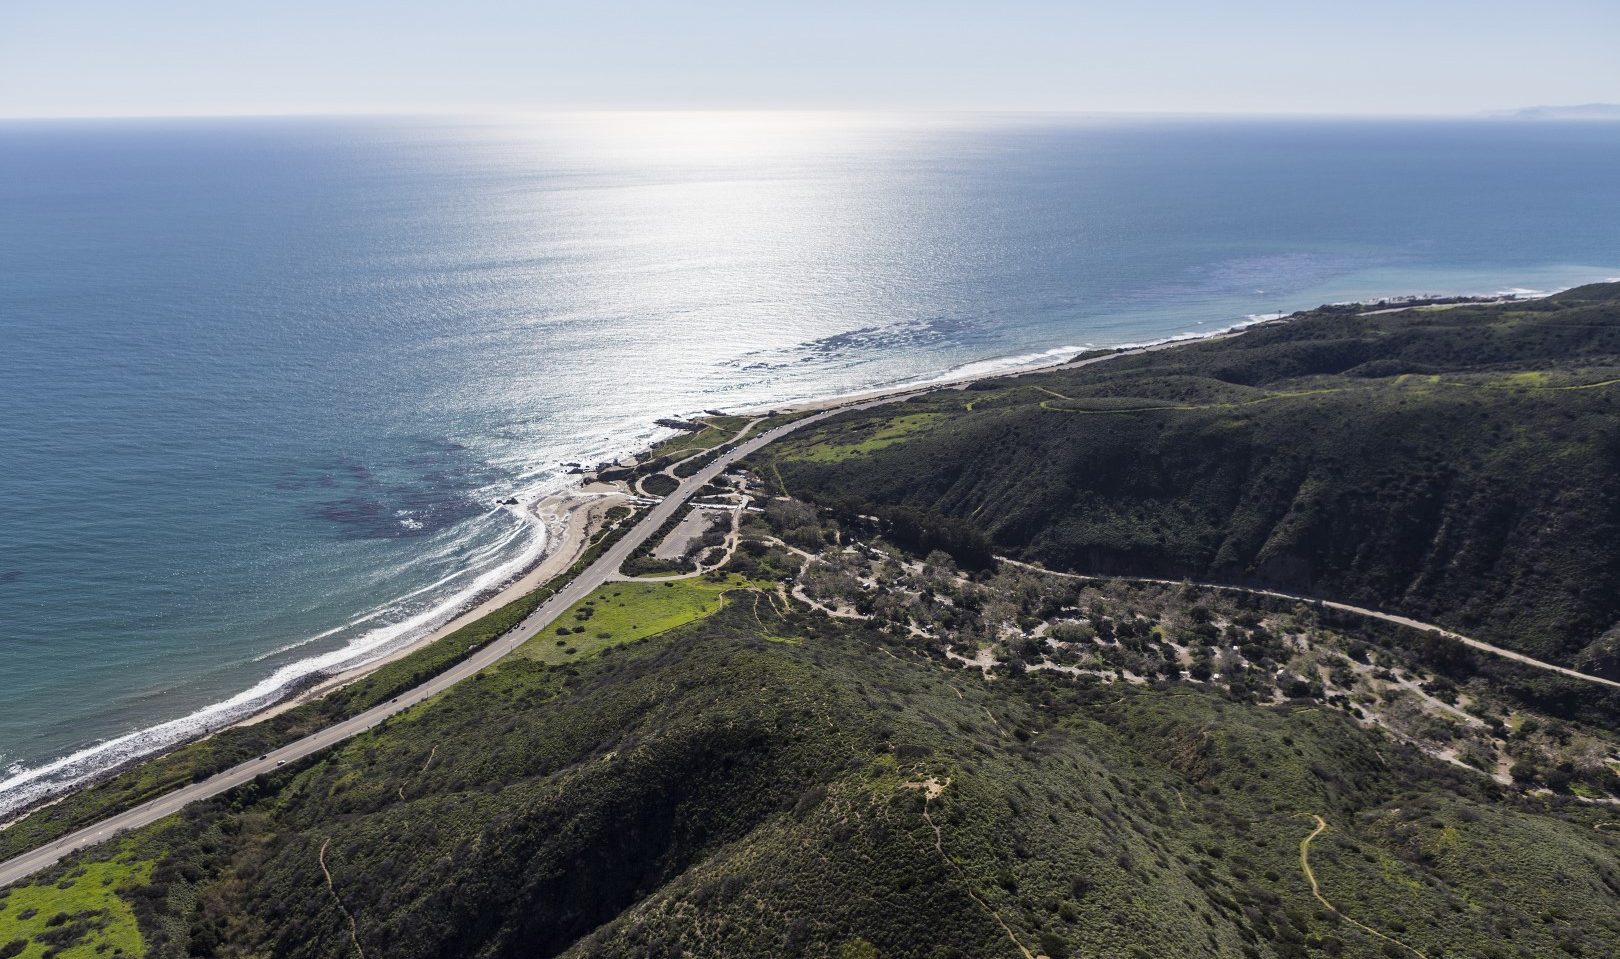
1454 464
838 747
772 782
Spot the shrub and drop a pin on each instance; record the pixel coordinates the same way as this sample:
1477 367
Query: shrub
1054 946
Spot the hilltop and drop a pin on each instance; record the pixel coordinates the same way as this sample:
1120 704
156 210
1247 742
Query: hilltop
837 725
1454 464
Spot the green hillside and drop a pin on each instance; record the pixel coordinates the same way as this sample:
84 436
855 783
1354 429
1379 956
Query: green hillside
863 738
1454 464
710 791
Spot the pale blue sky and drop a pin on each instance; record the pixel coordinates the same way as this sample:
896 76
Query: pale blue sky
118 57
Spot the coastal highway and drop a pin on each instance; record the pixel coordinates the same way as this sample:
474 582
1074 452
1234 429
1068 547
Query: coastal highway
593 576
599 572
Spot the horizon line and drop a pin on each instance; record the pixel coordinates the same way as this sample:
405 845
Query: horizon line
1523 114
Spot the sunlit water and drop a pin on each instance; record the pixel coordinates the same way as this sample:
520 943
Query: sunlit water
264 381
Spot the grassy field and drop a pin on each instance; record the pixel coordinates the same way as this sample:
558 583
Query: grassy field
717 430
835 446
200 759
713 794
78 916
689 769
620 612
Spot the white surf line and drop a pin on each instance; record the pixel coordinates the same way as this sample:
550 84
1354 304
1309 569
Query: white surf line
475 565
1396 618
24 865
594 575
31 784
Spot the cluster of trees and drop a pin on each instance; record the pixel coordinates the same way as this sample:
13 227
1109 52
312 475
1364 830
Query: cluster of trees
1427 463
716 791
917 530
1251 648
709 793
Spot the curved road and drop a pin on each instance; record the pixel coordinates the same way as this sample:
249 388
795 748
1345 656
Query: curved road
1343 607
599 572
595 575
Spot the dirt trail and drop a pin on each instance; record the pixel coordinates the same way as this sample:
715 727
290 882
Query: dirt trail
798 591
932 788
354 928
1316 890
431 753
1396 618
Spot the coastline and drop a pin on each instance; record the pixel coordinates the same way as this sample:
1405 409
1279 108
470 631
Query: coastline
571 518
1063 358
574 515
1072 357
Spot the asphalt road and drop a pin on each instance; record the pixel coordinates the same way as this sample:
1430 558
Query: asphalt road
599 572
595 575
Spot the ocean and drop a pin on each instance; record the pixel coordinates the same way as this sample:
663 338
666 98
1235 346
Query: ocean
263 382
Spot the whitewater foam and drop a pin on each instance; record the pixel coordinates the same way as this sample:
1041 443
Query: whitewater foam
25 786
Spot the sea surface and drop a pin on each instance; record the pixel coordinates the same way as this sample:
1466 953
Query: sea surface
263 382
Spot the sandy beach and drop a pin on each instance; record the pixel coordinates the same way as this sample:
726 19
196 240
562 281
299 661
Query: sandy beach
571 518
574 515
